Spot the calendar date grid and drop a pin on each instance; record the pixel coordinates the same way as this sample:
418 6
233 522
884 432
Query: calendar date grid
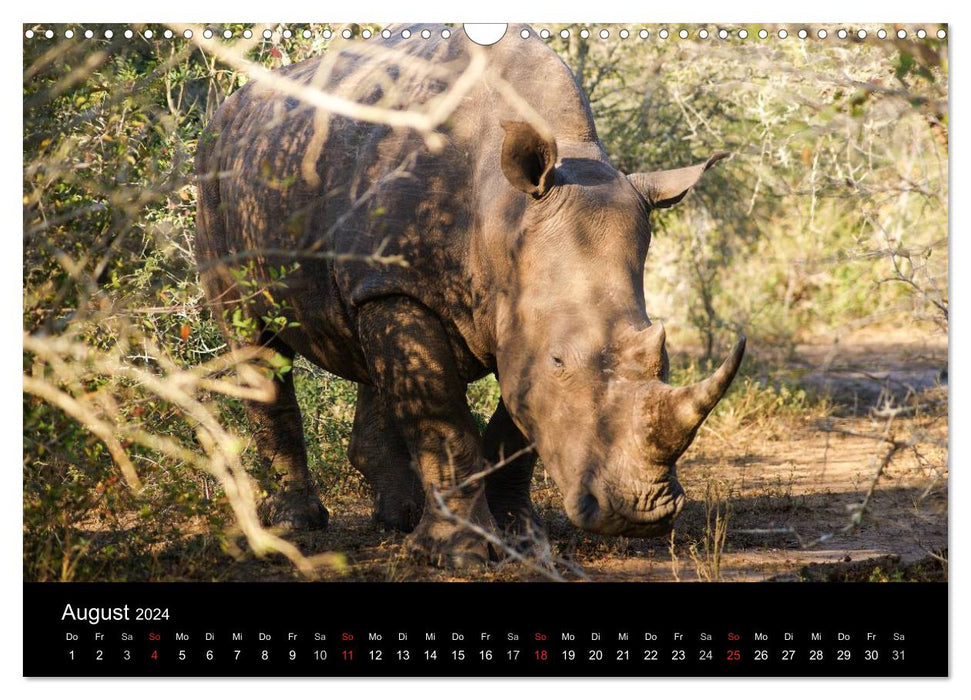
402 629
343 649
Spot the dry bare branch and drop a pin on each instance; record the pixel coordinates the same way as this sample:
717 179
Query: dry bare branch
424 122
180 388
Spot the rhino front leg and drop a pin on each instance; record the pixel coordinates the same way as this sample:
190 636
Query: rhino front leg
412 367
507 489
378 450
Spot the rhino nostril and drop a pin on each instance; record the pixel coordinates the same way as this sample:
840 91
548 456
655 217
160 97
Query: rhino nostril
588 506
677 491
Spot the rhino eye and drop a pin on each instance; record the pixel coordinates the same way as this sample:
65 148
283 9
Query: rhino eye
557 361
605 360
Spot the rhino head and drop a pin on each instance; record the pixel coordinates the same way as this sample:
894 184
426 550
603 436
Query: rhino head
582 369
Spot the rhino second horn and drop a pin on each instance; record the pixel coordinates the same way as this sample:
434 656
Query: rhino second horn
654 338
696 401
652 353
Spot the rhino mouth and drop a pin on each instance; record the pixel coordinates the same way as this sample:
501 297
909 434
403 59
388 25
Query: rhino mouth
649 513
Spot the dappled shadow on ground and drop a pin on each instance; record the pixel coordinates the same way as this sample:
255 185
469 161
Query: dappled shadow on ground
871 368
786 491
774 529
777 537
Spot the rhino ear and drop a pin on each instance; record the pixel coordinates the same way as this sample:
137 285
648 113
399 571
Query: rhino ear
527 158
666 188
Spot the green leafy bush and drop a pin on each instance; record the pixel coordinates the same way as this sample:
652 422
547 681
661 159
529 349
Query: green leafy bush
831 214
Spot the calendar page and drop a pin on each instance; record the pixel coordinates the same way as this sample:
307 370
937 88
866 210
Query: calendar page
490 350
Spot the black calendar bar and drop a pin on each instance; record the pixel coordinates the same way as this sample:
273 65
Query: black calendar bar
491 629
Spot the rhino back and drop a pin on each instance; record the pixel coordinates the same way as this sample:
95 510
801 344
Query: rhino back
285 177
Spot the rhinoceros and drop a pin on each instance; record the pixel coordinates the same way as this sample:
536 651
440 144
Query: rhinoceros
511 246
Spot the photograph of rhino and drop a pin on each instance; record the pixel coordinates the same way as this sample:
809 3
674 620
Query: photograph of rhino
374 302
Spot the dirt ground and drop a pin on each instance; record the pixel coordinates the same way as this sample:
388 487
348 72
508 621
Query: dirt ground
854 488
773 500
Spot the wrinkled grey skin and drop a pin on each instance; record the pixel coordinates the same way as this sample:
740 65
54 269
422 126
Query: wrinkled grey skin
525 257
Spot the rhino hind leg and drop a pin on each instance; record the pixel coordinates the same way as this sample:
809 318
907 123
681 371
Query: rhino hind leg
278 424
412 367
507 489
378 450
280 442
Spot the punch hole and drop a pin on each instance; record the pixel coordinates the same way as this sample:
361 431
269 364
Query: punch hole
604 34
327 34
425 34
901 33
267 34
227 34
803 33
921 34
207 34
88 34
841 33
722 33
406 34
168 34
446 33
783 33
287 34
822 34
148 34
524 34
129 34
366 34
187 34
69 34
29 34
881 33
643 34
306 34
584 33
743 34
861 34
941 33
109 34
763 34
247 34
703 33
543 34
485 34
347 33
624 34
564 33
386 34
663 34
683 34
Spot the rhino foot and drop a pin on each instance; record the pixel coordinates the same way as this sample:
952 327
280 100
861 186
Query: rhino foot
399 505
442 542
516 519
294 509
523 530
403 517
461 550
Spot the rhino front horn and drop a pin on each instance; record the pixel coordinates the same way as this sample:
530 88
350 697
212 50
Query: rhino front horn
693 403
